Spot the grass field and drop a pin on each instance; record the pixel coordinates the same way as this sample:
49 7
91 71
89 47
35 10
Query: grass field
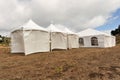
74 64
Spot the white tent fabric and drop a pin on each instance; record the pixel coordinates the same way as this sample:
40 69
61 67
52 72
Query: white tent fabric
72 38
104 39
30 25
90 32
17 43
30 38
58 39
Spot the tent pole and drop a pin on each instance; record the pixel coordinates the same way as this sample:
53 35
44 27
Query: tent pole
67 43
50 42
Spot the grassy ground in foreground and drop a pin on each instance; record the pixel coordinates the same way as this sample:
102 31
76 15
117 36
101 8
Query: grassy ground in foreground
74 64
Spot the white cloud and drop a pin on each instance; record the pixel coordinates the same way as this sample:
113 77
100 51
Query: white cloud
96 21
12 13
75 14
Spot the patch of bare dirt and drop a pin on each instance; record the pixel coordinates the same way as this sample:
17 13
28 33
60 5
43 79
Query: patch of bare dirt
74 64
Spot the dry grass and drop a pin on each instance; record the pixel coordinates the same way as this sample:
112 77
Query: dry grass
75 64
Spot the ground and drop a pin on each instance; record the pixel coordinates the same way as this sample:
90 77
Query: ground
74 64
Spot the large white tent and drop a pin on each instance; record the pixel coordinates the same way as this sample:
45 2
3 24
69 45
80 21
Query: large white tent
58 38
94 38
29 38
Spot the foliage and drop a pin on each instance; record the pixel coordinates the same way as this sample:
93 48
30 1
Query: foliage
4 40
116 31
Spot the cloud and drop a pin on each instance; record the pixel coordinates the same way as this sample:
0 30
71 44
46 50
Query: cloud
12 14
96 21
75 14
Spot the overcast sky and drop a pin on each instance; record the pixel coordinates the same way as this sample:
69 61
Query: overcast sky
74 14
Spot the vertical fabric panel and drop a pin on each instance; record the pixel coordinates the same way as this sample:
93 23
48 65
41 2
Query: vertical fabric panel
36 41
58 40
73 41
17 44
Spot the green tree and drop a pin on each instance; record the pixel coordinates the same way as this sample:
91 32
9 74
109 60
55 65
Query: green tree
116 31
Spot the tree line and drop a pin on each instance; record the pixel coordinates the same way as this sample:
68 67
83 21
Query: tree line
4 40
116 31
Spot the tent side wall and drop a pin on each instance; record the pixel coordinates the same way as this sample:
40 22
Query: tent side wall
100 41
113 41
36 41
107 41
87 41
73 41
17 44
58 40
110 41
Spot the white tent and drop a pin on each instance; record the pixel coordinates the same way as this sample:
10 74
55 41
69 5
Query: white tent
72 38
57 37
94 38
29 38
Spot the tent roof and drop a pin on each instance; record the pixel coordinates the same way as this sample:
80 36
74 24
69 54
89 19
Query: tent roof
64 29
91 32
69 31
30 25
53 28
